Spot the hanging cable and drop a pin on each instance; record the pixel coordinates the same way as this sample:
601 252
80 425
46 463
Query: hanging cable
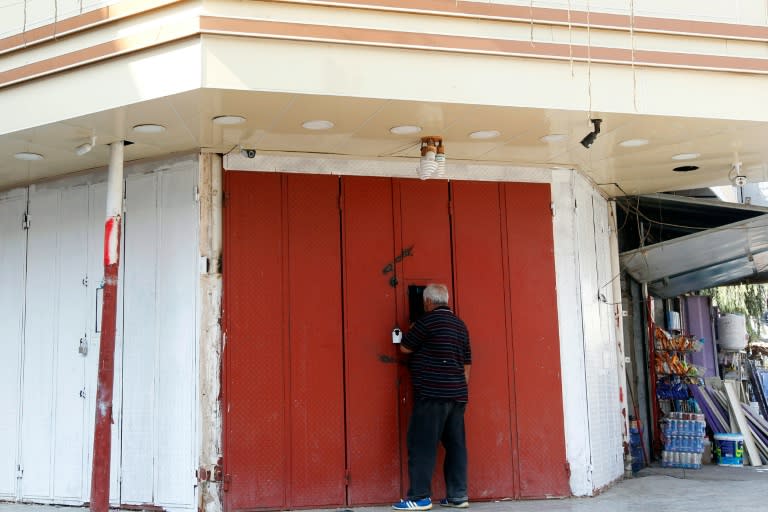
530 11
24 25
589 62
570 38
632 41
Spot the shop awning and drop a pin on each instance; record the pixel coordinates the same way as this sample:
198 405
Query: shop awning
735 252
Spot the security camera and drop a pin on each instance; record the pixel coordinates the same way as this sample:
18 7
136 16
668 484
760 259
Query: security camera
589 139
248 153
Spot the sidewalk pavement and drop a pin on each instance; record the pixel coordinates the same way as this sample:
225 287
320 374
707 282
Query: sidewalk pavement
710 489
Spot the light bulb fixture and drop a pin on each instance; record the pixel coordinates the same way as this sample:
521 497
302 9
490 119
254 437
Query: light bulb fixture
85 147
440 161
430 163
589 139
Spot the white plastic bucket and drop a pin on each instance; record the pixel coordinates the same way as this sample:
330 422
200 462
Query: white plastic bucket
732 330
729 449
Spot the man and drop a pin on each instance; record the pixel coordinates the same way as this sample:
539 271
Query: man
440 359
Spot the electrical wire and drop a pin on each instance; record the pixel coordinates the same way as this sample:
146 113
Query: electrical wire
24 25
589 62
640 214
402 148
570 39
530 10
632 41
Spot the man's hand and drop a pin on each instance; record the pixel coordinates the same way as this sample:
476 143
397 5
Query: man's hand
466 371
405 350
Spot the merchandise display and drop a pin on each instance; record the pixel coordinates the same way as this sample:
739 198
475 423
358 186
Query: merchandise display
683 435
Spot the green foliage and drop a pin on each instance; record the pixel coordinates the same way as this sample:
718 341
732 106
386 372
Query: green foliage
746 299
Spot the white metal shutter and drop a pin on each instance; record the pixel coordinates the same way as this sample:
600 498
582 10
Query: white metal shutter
159 355
13 251
53 386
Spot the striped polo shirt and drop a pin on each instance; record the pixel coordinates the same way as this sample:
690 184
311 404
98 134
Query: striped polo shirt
440 345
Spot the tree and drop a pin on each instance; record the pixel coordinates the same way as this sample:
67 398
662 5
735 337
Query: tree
745 299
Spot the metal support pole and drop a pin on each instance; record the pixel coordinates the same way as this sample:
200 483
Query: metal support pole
102 437
656 444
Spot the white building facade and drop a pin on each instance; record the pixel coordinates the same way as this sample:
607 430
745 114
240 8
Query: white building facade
511 89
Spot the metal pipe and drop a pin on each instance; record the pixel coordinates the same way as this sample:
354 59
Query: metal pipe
217 193
618 326
102 436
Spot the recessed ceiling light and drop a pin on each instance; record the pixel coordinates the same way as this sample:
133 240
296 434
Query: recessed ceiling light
554 137
83 149
227 120
633 143
30 157
406 129
317 124
149 128
686 156
485 134
686 168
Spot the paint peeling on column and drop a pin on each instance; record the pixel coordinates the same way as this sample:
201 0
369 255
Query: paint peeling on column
111 240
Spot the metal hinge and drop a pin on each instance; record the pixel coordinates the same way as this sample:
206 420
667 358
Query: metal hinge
26 222
552 208
196 194
83 348
83 395
19 471
347 477
224 199
85 281
568 469
226 482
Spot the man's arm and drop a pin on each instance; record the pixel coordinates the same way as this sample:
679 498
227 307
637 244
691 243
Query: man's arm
466 371
413 339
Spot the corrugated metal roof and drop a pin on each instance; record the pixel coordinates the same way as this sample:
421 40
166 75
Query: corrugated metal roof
714 257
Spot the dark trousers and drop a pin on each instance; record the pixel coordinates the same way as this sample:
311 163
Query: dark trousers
434 421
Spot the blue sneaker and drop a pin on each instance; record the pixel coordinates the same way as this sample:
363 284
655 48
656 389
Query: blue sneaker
422 504
445 502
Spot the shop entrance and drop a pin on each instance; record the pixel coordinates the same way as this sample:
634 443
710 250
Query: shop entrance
318 272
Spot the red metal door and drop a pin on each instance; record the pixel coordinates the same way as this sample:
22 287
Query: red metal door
482 301
423 242
283 373
373 448
537 386
315 406
396 233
